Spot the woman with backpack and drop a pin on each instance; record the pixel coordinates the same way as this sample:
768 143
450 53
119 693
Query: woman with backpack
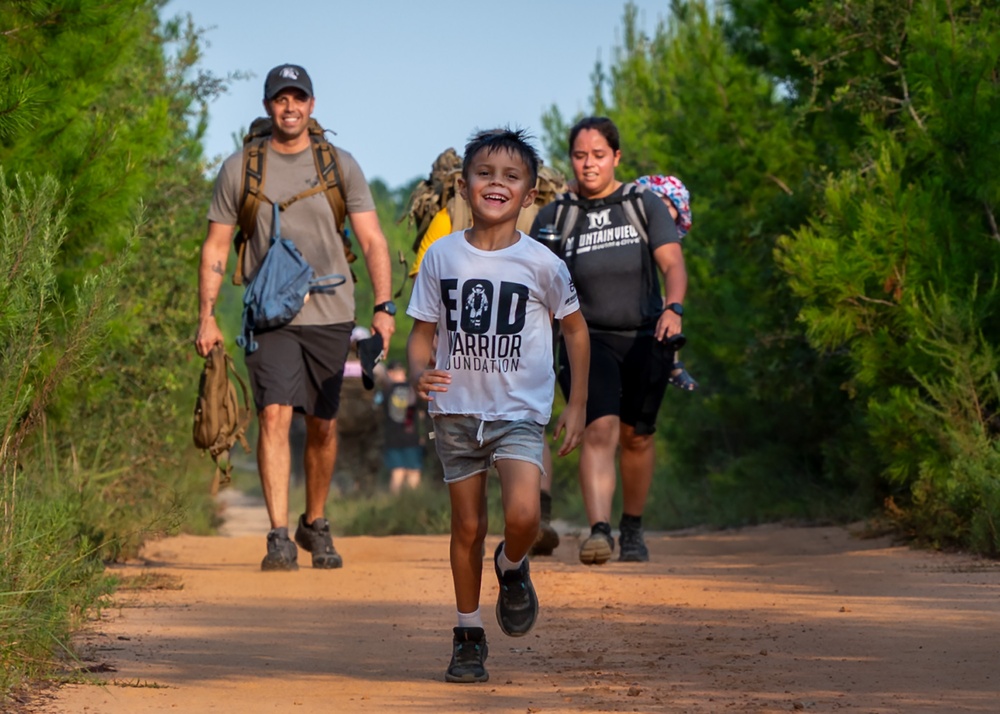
618 242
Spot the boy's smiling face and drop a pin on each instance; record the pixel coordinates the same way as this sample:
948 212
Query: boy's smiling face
498 186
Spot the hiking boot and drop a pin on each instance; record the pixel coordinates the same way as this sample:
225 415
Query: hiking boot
599 545
281 552
468 656
316 539
517 604
631 544
546 541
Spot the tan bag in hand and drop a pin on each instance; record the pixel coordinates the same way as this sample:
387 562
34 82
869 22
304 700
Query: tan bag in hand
220 418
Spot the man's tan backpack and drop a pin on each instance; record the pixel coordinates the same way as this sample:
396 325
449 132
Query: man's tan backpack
252 194
550 184
220 417
439 190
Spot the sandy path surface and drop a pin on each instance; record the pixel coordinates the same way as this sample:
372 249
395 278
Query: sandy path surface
765 619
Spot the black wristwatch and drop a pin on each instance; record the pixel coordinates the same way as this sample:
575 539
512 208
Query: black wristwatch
388 307
676 307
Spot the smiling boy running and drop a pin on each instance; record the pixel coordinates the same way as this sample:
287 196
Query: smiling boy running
487 293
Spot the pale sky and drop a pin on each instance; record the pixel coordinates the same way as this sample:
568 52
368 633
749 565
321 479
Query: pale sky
401 81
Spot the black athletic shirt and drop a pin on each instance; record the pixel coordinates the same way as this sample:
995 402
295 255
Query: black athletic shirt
611 265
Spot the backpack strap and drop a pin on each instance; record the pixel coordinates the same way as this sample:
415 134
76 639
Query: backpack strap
220 451
460 213
325 156
567 214
326 283
635 210
245 413
251 195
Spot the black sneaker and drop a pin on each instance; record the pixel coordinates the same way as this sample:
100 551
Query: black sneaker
632 544
281 552
517 604
598 546
546 541
468 656
316 539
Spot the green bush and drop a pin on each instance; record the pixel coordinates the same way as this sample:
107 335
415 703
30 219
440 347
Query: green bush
50 578
50 572
98 262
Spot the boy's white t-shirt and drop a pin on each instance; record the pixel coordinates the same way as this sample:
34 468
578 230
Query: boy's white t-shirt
494 333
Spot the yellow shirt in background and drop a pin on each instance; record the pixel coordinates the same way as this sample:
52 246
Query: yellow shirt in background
440 227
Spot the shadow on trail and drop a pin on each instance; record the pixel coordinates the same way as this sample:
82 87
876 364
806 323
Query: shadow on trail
715 621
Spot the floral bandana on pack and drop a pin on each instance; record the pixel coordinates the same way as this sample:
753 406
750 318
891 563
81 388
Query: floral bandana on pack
672 188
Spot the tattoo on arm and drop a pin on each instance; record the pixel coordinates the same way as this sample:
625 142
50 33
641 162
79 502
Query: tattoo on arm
217 268
212 311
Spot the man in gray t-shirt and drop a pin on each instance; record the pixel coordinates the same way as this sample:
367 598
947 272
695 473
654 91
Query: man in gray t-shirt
300 366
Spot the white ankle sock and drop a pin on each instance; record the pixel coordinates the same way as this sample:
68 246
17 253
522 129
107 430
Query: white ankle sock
470 619
506 564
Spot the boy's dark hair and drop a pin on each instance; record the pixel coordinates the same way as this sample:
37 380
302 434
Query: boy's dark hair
515 141
605 126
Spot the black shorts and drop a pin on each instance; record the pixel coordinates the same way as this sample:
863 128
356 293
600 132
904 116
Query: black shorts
627 379
301 366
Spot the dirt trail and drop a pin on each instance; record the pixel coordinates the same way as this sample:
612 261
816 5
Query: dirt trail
765 619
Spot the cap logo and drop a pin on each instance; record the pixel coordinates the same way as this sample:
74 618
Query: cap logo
289 73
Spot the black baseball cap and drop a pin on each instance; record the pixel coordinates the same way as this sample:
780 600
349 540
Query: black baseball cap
286 76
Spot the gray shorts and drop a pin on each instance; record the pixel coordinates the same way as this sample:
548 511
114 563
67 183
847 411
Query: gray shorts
468 445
